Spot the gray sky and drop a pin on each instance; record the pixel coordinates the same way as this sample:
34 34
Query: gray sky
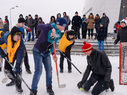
44 8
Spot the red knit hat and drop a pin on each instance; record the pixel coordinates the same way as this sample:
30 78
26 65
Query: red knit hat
86 47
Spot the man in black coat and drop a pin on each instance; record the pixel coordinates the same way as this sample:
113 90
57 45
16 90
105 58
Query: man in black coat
76 21
122 33
99 64
105 20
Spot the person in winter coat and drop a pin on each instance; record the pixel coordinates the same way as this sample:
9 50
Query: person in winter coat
52 20
84 27
31 23
65 46
3 47
106 21
117 26
90 25
122 33
1 24
67 19
101 36
15 51
76 21
99 63
21 26
41 53
97 24
40 21
36 23
6 25
58 16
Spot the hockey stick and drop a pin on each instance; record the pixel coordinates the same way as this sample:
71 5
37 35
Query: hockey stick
62 85
18 75
70 61
5 79
26 37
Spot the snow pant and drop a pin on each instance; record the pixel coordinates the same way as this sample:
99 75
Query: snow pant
84 33
90 30
62 60
77 32
36 31
98 88
106 32
32 31
101 44
26 60
40 58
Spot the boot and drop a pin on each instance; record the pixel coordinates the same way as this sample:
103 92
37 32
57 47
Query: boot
28 71
0 68
18 84
33 93
61 70
49 90
111 85
91 37
11 83
69 71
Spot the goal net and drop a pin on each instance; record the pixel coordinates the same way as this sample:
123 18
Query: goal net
123 64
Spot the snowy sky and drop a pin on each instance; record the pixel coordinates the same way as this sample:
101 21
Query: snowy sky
44 8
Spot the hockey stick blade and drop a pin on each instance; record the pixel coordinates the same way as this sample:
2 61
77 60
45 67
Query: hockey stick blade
62 86
4 80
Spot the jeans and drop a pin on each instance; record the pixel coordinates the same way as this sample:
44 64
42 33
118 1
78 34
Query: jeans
101 44
32 31
91 32
98 88
40 58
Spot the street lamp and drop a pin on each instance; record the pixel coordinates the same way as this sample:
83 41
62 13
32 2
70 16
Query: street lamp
10 15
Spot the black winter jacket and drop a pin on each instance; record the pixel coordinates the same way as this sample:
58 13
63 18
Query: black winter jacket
101 33
105 20
99 64
76 21
122 35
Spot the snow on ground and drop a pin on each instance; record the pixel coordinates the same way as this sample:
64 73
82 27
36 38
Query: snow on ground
70 79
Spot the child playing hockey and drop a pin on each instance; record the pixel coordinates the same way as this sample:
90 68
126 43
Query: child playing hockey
15 51
99 64
41 53
65 45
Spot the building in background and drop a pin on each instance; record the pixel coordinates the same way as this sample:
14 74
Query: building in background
114 9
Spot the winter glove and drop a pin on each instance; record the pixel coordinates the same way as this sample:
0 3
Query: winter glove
2 53
106 85
80 84
29 30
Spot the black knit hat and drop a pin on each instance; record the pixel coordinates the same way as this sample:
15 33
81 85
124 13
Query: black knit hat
76 12
97 14
91 13
15 31
71 32
104 14
20 15
21 20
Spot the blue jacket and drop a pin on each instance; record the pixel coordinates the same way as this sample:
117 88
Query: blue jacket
20 51
44 38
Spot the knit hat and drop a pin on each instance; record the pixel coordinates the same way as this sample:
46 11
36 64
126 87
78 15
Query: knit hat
15 31
91 13
20 15
101 23
71 32
21 20
86 47
123 21
76 12
104 14
61 22
97 14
